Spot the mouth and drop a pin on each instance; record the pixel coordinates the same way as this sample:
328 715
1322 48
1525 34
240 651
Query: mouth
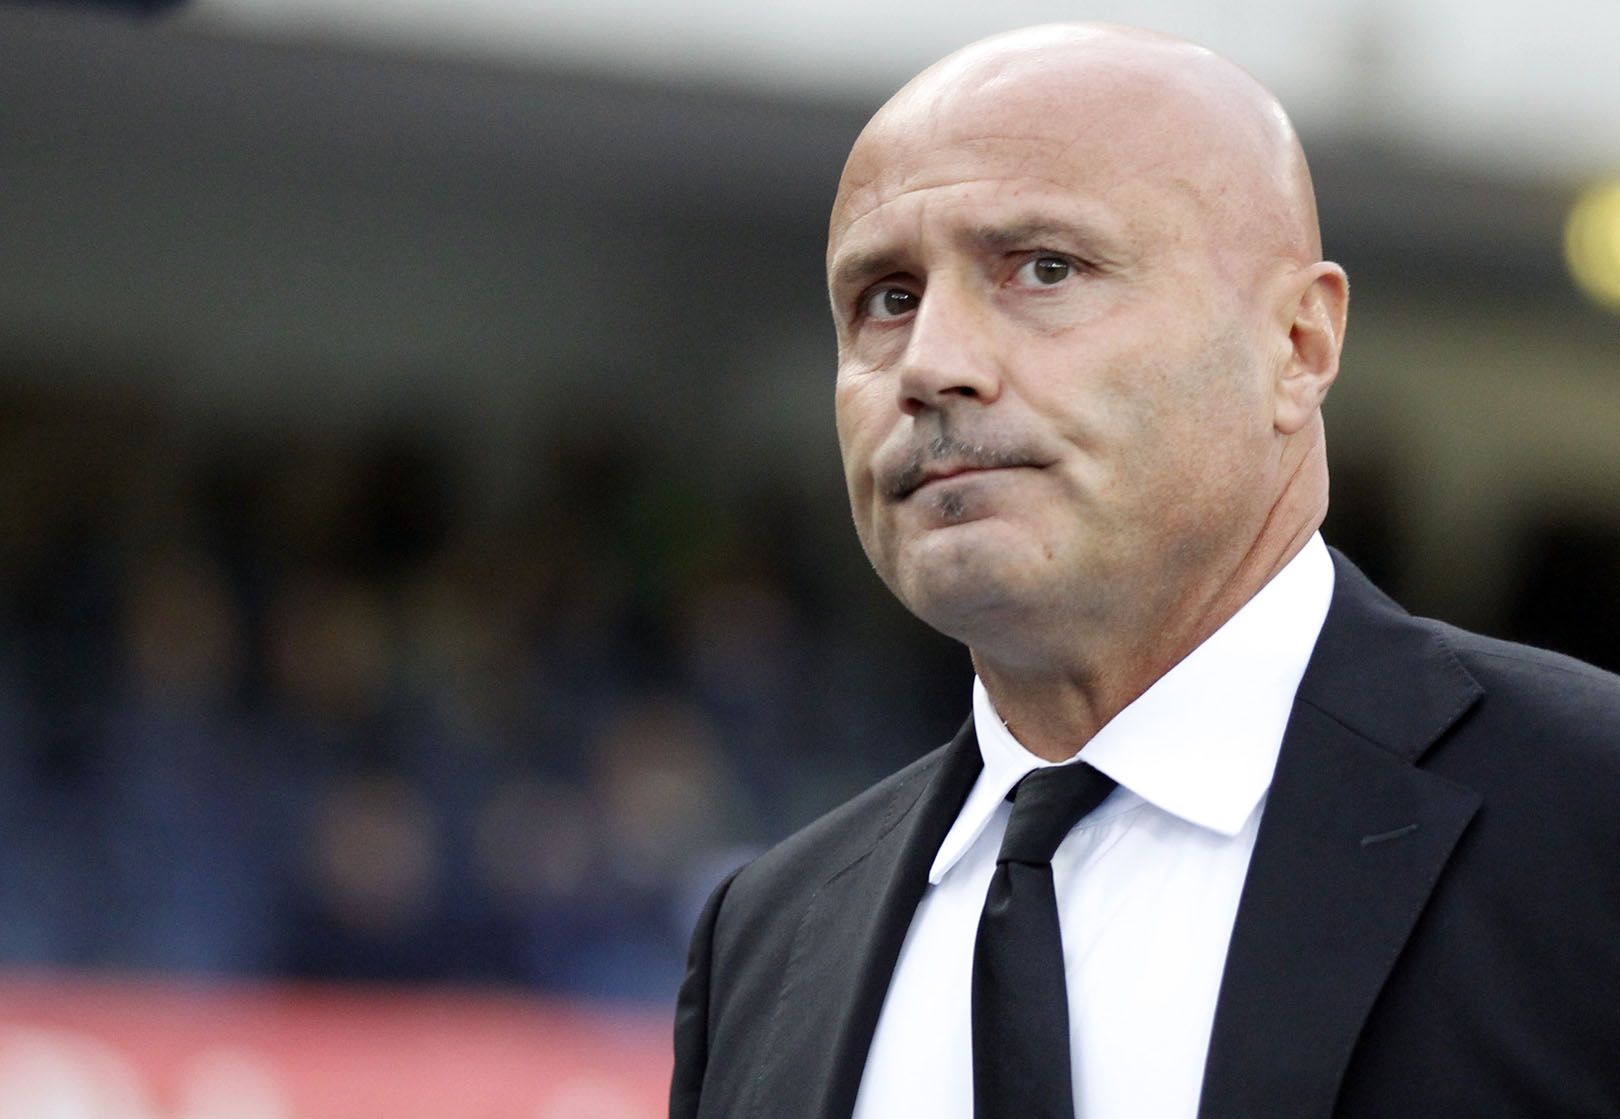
945 475
946 457
910 481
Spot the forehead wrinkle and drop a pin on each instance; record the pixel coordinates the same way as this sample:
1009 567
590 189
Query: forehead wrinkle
1011 179
895 155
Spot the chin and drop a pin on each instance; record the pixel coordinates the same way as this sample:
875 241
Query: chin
958 589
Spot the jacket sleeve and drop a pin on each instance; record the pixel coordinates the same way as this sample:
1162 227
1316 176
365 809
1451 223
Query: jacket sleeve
692 1012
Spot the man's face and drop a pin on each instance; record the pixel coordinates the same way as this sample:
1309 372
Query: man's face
1053 390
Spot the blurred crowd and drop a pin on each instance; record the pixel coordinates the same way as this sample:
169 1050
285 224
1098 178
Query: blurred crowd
343 705
303 706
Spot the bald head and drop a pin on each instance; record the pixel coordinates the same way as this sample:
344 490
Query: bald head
1152 104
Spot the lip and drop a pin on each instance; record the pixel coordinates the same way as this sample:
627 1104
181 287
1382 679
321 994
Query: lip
946 474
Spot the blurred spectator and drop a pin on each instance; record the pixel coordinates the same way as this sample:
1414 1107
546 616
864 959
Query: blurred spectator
372 906
182 802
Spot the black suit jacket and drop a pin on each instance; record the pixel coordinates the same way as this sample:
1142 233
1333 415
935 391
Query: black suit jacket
1430 926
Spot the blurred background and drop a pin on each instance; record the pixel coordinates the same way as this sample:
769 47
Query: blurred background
423 551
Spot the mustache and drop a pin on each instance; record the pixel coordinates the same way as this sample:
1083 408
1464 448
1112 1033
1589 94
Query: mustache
962 454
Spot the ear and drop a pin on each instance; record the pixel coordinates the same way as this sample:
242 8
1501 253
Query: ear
1313 311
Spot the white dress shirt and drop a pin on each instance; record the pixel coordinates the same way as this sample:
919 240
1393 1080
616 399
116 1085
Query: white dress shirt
1147 884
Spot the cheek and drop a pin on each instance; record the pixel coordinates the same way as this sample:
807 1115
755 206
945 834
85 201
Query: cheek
847 411
1201 448
859 419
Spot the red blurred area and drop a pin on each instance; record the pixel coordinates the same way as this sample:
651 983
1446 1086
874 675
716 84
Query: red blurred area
95 1049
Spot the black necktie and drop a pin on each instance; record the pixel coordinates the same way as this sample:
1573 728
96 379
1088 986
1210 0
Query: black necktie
1021 1059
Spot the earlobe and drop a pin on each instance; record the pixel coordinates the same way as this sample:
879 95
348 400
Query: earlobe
1315 337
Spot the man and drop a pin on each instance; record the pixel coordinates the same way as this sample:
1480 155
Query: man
1357 864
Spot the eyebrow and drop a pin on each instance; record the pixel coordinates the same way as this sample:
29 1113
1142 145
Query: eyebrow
861 267
1031 233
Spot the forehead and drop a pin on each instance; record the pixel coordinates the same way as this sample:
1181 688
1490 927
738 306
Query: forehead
1017 137
1170 140
962 182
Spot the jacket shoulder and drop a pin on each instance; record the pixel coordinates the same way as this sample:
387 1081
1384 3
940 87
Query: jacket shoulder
835 840
1551 713
1407 682
1567 683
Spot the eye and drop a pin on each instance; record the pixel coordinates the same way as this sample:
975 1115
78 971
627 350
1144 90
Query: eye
889 302
1045 271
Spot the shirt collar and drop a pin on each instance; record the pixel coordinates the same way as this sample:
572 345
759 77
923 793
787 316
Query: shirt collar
1201 743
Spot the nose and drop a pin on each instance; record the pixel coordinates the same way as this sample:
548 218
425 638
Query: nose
950 353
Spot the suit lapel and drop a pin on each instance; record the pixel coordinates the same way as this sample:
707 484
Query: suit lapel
1353 839
846 947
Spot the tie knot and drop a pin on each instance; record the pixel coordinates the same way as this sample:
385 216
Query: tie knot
1046 804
